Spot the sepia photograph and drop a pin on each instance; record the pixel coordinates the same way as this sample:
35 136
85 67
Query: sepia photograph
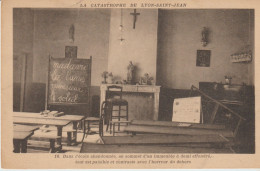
125 84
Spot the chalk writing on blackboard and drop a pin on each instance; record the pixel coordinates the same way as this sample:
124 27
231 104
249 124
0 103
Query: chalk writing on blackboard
69 80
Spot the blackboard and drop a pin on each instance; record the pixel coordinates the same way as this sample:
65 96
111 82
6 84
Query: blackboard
69 81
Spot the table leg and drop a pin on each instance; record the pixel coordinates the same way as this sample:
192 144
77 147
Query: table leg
110 126
69 138
52 145
17 146
72 136
84 130
88 128
119 112
24 146
114 125
101 127
59 133
75 126
102 95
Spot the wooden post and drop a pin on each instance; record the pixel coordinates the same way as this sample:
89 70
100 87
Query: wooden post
47 84
201 113
23 82
236 129
213 115
89 86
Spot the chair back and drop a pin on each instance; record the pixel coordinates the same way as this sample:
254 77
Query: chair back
114 91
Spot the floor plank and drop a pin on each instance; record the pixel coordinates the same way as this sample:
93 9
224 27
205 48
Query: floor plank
164 139
102 148
176 130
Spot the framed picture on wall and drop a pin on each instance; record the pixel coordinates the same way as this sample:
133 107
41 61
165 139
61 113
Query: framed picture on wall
203 58
71 51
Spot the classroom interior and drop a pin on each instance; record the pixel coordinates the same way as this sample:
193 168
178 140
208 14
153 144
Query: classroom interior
157 57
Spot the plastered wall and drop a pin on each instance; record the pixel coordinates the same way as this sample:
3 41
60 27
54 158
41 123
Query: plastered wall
179 38
139 45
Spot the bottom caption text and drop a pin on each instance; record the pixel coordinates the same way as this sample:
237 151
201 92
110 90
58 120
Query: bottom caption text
133 159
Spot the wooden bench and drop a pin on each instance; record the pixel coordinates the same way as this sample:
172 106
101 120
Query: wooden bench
71 137
20 141
176 124
52 139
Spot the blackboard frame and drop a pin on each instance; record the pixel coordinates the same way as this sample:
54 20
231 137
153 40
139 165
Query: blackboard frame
48 104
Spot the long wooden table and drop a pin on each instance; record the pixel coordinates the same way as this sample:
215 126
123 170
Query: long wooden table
72 118
43 121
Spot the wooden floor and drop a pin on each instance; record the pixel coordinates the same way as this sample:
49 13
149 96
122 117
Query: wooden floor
101 148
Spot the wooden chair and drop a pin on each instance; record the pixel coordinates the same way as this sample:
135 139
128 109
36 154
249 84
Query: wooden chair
114 99
90 121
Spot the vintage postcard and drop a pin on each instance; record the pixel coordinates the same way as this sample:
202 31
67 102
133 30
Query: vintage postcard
156 84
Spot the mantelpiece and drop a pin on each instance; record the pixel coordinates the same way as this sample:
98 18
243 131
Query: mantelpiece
155 90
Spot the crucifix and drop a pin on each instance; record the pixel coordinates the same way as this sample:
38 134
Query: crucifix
135 14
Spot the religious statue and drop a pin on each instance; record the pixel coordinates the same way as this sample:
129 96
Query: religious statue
204 36
130 70
71 33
